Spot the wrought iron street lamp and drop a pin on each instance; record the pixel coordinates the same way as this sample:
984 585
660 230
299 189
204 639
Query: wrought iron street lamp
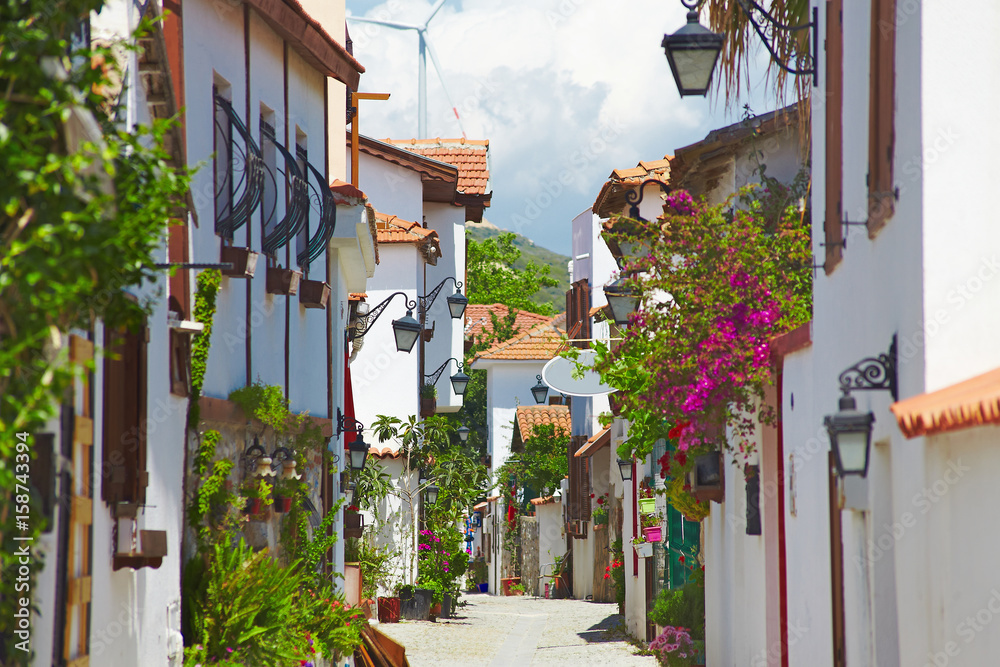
405 330
432 494
850 430
459 381
625 467
623 300
540 391
359 453
463 432
693 51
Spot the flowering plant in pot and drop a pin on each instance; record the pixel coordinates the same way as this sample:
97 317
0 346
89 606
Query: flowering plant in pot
674 647
284 492
257 493
651 527
647 500
642 546
600 513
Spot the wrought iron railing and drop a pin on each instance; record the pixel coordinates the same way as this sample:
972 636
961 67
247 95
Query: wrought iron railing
321 202
297 209
239 185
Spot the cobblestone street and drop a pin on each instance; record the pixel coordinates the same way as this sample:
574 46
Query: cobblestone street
517 631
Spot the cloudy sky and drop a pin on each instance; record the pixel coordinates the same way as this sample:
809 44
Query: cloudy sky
565 90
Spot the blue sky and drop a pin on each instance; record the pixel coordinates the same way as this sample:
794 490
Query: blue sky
565 90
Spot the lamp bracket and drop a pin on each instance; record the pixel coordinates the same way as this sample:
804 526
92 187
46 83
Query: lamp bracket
365 322
873 374
767 28
427 300
634 197
345 423
434 376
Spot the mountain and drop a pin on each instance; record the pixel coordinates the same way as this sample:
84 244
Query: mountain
559 264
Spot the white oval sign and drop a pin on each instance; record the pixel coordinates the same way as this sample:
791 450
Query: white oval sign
558 374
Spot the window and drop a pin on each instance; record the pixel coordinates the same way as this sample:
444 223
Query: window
882 99
832 227
123 464
579 480
578 313
222 147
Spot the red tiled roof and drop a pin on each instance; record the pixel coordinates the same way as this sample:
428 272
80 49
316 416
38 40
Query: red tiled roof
471 156
357 296
611 198
480 507
530 416
393 229
346 191
385 451
544 500
477 318
600 439
543 341
974 402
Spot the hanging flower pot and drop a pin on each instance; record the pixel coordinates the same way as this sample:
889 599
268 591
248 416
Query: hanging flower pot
253 505
647 505
654 534
282 504
643 549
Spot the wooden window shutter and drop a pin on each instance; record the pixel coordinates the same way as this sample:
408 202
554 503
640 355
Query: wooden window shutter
881 100
583 310
123 465
834 214
180 363
584 483
573 510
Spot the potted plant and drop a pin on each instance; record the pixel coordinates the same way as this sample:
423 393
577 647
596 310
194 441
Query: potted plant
354 522
642 548
428 400
651 529
257 493
284 491
600 513
647 502
516 589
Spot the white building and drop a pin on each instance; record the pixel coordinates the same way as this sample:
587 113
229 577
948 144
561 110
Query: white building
262 87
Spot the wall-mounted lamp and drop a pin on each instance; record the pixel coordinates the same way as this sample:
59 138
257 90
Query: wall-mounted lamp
432 494
262 463
459 381
456 302
850 430
625 467
693 51
540 391
405 330
623 300
463 432
359 453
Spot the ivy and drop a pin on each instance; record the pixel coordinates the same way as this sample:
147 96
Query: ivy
206 290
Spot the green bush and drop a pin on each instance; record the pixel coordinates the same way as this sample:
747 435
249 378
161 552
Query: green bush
682 607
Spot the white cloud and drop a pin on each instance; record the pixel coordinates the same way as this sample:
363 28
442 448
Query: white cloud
565 90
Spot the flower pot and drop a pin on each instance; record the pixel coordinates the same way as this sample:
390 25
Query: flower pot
643 549
253 505
446 605
388 610
282 281
484 587
600 520
313 293
244 261
282 504
647 505
428 405
354 524
653 534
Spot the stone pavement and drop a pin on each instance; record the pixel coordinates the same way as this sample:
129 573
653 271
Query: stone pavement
517 632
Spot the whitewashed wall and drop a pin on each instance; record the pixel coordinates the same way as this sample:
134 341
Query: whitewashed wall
508 385
449 334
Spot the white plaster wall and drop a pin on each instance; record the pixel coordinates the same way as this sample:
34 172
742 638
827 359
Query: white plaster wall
635 569
386 381
391 189
449 335
583 566
508 384
393 522
551 536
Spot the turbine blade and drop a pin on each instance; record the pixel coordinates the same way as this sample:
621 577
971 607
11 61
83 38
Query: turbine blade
434 10
440 73
390 24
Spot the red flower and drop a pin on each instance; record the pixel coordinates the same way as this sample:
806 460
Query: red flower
592 495
675 432
607 576
600 501
681 559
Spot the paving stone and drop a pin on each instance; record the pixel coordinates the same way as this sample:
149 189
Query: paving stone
518 631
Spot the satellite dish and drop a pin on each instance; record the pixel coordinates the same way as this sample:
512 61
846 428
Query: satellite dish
558 374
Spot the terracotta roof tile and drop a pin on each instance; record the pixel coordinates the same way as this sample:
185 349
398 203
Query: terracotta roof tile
543 341
611 198
480 507
544 500
600 439
393 229
471 156
346 191
974 402
357 296
385 451
530 416
477 318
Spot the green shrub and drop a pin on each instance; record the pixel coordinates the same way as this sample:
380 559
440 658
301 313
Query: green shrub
682 607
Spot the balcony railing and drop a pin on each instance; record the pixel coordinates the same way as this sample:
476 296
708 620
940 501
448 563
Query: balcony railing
239 182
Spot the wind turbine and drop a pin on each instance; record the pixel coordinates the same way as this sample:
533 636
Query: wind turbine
425 48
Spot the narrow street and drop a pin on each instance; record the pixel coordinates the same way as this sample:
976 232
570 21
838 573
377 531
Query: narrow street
493 631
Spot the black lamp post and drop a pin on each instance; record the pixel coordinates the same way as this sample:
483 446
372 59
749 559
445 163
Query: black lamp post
463 432
623 300
406 331
692 53
851 430
625 467
457 303
540 391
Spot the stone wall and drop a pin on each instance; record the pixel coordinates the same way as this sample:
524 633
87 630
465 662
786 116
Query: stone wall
529 555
